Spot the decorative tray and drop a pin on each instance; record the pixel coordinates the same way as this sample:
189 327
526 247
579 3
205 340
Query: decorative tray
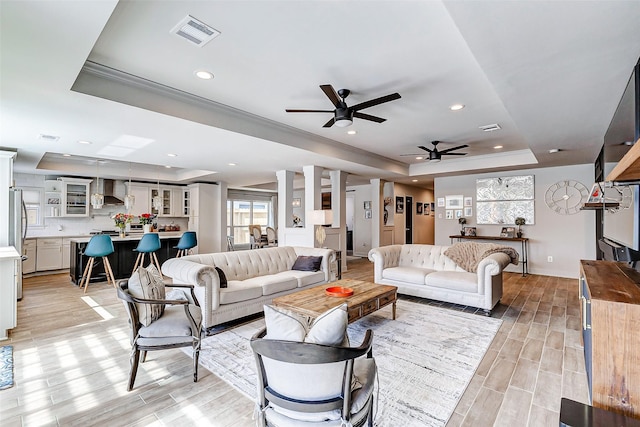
338 291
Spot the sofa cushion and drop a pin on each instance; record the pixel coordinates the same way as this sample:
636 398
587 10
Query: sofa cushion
307 263
238 290
274 283
306 278
454 280
406 274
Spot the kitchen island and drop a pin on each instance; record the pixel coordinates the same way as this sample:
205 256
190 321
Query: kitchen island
123 258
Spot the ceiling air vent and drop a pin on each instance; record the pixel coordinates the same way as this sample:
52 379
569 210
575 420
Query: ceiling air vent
48 138
194 31
490 128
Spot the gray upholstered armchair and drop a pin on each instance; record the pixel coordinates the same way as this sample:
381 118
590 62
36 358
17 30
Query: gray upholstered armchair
321 384
179 325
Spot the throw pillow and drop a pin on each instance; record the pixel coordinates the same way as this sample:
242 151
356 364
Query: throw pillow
223 277
147 283
330 328
307 263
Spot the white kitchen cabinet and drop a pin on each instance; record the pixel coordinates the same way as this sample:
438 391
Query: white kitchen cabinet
52 198
9 258
75 197
49 254
66 254
167 201
143 199
29 249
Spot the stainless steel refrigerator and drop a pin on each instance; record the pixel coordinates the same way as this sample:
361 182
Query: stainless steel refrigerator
17 230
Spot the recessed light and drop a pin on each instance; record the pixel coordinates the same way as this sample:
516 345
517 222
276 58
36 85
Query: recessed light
172 155
352 132
84 142
497 147
628 143
414 180
204 75
456 107
66 155
167 166
232 164
554 150
419 158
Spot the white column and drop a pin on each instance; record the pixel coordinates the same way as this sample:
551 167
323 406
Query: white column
285 209
220 244
377 206
312 200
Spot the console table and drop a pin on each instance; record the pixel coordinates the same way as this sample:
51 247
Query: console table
524 242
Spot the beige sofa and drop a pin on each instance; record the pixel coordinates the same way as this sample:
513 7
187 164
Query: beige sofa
254 278
425 271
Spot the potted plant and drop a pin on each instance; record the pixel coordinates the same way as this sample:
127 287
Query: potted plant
520 221
462 221
121 220
146 219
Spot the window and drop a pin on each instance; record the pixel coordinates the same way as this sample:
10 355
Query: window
33 200
242 213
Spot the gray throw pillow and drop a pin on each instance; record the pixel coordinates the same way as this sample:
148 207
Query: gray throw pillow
307 263
147 283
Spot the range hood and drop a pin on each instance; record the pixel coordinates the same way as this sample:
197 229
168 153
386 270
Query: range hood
109 196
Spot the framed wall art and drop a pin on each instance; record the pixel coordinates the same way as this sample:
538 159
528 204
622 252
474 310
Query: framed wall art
399 204
419 208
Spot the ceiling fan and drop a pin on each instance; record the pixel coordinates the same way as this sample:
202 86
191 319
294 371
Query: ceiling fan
343 115
435 155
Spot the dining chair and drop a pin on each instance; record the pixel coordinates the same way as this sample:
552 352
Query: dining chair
271 237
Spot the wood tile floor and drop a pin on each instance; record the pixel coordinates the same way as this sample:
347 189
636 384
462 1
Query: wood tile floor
71 354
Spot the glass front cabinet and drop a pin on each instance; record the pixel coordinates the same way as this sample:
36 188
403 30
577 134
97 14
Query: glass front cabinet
75 197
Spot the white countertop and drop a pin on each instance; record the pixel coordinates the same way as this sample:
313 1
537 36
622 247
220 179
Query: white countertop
8 252
131 236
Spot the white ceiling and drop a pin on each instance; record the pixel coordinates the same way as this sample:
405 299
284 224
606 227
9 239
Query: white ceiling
549 73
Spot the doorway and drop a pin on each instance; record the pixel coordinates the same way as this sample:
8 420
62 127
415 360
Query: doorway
408 220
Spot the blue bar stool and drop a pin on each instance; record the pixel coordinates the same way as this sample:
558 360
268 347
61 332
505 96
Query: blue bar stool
149 244
100 245
187 242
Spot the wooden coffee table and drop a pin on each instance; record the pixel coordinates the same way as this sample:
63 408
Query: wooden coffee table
367 297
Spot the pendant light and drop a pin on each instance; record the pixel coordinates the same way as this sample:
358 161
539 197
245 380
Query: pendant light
97 198
156 201
129 199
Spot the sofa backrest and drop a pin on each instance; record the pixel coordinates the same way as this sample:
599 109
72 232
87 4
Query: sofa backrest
426 256
242 265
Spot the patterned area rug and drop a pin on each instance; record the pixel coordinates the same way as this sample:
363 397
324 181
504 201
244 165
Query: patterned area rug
6 367
426 358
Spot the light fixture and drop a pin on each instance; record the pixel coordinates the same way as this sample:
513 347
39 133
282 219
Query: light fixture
84 142
231 164
204 75
129 199
456 107
351 132
554 150
497 147
167 166
414 180
66 155
319 218
419 158
97 198
172 155
343 122
156 201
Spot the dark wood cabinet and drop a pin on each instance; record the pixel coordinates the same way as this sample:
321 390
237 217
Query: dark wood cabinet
610 313
122 260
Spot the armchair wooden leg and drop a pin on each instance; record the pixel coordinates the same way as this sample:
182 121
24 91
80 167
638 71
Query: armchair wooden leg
135 357
143 356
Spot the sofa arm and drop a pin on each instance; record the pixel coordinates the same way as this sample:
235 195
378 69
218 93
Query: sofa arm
384 257
182 271
491 266
328 258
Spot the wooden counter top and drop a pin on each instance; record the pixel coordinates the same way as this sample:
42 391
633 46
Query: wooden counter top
612 281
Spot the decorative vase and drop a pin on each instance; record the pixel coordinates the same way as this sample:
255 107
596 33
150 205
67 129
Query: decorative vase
146 228
462 232
519 234
122 233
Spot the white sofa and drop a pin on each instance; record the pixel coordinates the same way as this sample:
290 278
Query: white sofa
254 278
425 271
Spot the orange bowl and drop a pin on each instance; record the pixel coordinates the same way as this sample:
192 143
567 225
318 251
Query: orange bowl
339 291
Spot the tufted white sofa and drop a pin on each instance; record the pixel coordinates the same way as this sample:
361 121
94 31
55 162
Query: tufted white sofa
254 278
424 271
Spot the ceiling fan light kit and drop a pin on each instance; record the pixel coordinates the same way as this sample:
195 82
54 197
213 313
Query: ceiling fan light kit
343 115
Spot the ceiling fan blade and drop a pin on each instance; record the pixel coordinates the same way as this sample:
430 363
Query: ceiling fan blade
329 123
453 154
288 110
425 148
454 148
368 117
331 94
376 101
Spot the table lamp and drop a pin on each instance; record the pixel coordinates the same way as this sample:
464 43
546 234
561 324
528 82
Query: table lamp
320 218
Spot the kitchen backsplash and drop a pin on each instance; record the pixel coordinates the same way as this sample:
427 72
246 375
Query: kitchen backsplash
99 219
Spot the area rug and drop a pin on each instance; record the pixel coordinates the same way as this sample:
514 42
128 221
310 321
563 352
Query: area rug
6 367
426 358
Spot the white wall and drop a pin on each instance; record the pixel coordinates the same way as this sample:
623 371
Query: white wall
567 238
361 225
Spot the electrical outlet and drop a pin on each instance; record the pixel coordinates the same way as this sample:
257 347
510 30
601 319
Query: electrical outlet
549 258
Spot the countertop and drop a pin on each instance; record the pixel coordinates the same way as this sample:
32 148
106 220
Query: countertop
131 236
9 252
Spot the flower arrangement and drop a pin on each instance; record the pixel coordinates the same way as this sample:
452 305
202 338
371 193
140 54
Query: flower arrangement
462 221
146 218
122 219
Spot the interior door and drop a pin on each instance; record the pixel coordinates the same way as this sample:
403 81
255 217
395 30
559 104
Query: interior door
408 220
